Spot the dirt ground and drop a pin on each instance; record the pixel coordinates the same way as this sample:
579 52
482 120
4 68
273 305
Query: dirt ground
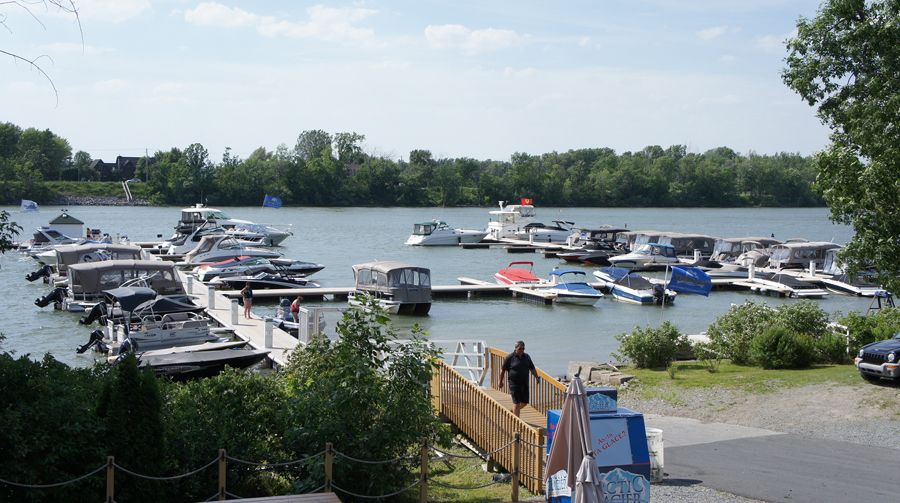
862 413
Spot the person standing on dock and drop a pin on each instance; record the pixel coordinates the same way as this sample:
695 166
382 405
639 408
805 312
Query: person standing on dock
295 309
247 294
518 364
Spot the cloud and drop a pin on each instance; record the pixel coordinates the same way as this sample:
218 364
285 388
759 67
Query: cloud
114 11
710 33
455 36
525 72
168 86
216 14
727 58
325 23
774 43
107 86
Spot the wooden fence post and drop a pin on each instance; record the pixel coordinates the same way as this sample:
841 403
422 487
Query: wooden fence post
328 459
110 479
423 489
222 475
517 459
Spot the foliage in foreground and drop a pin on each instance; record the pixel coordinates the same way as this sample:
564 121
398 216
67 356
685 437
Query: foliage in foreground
651 347
368 396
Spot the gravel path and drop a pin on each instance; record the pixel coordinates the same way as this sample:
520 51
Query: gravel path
864 413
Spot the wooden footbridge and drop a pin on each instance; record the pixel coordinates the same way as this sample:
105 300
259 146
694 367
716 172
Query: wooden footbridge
485 415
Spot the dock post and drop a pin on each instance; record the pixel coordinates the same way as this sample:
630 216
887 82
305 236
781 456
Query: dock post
190 285
268 332
234 311
752 274
211 303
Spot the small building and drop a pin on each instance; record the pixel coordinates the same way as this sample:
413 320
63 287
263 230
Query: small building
67 225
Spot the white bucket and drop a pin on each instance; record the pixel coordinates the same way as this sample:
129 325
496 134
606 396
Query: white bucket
655 446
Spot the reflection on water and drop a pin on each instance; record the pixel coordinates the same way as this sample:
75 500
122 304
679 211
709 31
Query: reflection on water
341 237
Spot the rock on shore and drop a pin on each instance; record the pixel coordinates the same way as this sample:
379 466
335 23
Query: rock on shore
97 201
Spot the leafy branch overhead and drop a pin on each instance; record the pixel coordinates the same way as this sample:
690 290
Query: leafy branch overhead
845 62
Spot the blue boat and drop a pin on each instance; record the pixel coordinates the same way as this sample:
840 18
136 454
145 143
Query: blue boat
631 287
570 288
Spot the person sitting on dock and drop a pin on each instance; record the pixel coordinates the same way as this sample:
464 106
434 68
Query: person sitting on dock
518 364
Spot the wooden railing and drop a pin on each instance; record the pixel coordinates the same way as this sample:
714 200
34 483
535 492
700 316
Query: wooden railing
548 394
490 425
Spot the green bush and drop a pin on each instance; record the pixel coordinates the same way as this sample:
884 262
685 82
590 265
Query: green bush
831 348
732 332
651 347
868 329
779 348
802 317
706 354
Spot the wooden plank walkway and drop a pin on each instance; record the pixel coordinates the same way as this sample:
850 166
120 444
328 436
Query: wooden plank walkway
295 498
529 414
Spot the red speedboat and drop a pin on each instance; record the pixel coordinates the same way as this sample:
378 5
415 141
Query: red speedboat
518 275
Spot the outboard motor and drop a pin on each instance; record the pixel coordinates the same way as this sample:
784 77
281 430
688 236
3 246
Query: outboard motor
57 295
96 338
96 313
659 293
43 272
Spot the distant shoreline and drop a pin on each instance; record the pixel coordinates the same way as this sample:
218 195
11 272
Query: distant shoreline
96 201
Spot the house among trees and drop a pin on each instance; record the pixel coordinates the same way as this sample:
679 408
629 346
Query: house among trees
123 169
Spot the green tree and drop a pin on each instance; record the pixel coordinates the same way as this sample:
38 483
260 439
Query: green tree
368 394
47 153
311 144
80 163
845 62
348 147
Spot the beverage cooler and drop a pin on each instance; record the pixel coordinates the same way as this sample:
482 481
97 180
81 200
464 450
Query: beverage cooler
619 440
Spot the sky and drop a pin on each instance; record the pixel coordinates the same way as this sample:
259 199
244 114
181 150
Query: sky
480 79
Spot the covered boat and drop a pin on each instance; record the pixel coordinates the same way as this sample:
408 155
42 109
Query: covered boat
633 288
518 273
399 288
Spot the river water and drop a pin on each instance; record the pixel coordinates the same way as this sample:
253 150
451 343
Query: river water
341 237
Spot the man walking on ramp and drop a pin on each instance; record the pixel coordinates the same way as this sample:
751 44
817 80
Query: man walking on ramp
518 364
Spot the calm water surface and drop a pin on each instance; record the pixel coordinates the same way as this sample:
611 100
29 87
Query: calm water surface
341 237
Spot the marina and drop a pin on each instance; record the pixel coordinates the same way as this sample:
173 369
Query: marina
477 310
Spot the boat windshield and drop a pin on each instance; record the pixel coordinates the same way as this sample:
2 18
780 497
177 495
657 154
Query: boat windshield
644 249
217 215
423 229
780 254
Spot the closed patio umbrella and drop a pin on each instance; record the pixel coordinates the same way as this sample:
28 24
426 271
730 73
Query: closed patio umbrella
571 450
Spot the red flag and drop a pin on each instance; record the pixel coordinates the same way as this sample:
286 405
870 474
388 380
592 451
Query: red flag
526 201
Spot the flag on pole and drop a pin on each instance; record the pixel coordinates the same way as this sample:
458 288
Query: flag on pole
272 202
28 206
690 280
526 201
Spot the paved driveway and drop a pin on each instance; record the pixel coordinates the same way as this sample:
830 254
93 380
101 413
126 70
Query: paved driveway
772 466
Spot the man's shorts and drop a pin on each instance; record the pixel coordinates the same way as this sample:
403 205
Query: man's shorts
519 393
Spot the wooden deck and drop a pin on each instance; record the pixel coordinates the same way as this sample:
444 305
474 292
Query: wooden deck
295 498
529 414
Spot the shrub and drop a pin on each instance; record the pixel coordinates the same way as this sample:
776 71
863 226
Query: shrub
732 332
706 354
831 348
779 348
802 317
868 329
651 347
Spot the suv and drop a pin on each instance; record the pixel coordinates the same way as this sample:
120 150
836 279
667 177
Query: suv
880 359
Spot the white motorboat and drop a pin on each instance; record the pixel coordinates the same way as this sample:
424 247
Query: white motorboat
799 255
648 256
837 280
438 233
540 233
212 249
245 229
188 364
248 266
633 288
509 220
570 288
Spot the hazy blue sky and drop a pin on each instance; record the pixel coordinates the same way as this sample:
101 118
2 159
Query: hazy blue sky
481 79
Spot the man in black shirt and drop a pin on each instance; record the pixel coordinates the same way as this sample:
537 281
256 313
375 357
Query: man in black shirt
518 364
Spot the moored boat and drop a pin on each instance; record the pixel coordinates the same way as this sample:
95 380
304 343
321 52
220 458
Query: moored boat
570 288
438 233
631 287
521 275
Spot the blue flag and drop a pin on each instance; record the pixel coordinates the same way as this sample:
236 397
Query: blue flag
28 206
690 280
272 202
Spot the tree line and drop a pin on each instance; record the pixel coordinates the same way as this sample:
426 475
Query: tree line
324 169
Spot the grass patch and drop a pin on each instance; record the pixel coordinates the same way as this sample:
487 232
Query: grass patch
463 472
739 377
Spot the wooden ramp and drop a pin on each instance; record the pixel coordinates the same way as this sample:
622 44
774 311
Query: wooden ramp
529 414
295 498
